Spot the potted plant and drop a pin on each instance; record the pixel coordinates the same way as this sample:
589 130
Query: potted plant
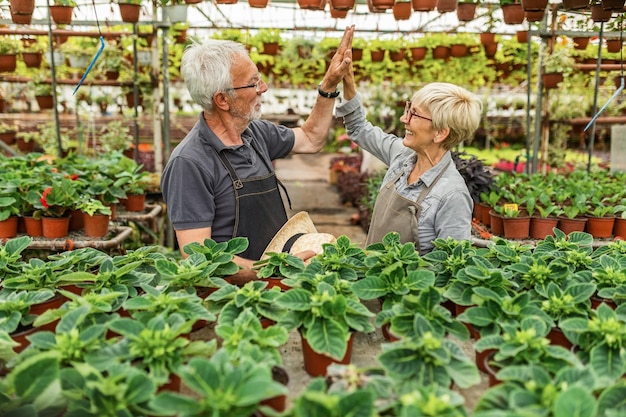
96 216
54 206
556 61
524 343
61 11
427 357
159 346
599 340
129 10
226 388
133 180
326 312
230 301
8 54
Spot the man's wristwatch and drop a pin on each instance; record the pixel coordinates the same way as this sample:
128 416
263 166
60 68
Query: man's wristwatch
323 93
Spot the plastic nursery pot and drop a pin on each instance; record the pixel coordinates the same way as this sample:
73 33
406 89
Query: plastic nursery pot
96 225
315 364
55 227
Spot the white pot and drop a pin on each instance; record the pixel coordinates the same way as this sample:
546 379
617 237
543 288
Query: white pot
175 13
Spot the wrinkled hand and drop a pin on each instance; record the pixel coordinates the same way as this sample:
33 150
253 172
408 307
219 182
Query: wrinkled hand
341 63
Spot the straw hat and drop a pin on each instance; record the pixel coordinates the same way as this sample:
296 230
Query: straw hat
301 228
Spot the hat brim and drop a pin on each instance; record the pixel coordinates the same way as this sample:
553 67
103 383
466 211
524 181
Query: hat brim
299 223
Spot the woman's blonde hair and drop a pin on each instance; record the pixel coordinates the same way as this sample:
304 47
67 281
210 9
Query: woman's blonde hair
450 107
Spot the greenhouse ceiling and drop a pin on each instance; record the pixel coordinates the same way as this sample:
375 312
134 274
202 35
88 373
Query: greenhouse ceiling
285 14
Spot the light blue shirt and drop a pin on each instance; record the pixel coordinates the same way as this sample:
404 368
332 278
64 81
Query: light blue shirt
447 210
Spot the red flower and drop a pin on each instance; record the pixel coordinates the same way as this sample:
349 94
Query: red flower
43 201
74 177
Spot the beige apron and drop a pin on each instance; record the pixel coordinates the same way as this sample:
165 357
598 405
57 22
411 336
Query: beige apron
393 212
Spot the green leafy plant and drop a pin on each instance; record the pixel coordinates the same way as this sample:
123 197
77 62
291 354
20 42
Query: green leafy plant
224 388
326 311
525 343
600 340
426 358
230 301
159 346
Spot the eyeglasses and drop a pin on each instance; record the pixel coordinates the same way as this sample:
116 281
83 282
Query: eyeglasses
256 85
409 114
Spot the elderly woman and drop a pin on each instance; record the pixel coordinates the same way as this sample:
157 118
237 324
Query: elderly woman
423 196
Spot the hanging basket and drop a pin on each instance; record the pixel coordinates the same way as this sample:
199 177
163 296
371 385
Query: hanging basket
613 45
22 11
534 5
8 62
466 12
62 15
512 14
342 4
581 42
534 16
129 12
575 4
423 5
598 14
552 80
402 10
613 5
446 6
32 59
175 13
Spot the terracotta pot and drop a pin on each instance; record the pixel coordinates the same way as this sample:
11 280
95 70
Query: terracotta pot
275 282
598 14
522 36
96 225
173 385
45 102
77 221
130 12
418 53
600 227
441 52
552 80
55 227
512 14
8 62
279 404
619 228
459 309
458 50
423 5
490 50
20 335
596 301
534 5
581 42
490 368
465 12
22 11
32 59
557 337
8 227
613 45
402 10
8 137
535 16
33 226
540 227
575 4
62 15
342 4
487 38
315 364
613 5
567 226
445 6
135 202
377 55
385 330
270 48
481 357
497 227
